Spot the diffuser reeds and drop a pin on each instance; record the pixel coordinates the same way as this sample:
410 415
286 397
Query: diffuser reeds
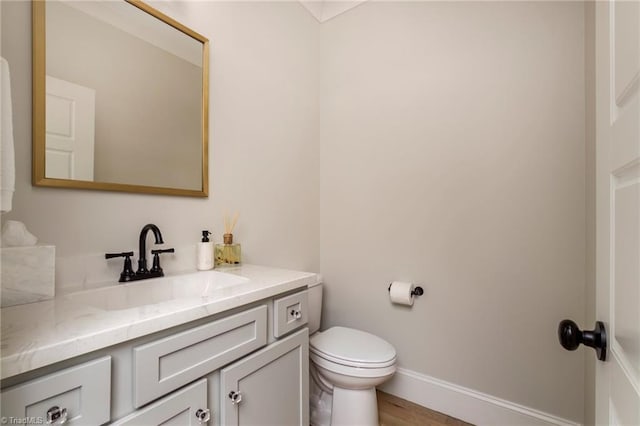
229 224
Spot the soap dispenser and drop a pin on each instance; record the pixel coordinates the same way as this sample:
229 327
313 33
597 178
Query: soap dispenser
205 252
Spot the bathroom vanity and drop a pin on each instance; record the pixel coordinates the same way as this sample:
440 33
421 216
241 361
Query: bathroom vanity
211 347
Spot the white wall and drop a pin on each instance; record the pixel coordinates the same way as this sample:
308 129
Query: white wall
263 143
453 155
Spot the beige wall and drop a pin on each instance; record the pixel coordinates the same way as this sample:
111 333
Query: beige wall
156 139
453 155
264 143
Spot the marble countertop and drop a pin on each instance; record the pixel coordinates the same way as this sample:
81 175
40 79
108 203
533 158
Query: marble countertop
43 333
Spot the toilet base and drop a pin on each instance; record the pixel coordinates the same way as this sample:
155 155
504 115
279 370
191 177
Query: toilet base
320 401
354 407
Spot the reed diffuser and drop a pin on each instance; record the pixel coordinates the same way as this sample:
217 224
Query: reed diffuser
228 253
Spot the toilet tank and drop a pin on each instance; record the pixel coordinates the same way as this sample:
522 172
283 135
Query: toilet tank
315 307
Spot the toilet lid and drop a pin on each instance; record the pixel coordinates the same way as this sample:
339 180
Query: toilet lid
352 347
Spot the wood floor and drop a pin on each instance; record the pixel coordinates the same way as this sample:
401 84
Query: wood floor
394 411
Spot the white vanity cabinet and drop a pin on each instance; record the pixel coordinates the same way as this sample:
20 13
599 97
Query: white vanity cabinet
244 366
268 387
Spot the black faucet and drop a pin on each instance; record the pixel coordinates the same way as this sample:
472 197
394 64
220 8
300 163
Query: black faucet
142 260
142 272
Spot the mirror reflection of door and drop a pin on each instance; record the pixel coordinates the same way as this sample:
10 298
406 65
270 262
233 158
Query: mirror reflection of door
147 77
70 130
150 79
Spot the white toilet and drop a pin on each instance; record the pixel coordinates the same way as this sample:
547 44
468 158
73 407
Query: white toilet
346 366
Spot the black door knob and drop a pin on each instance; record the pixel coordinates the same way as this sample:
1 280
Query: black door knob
571 336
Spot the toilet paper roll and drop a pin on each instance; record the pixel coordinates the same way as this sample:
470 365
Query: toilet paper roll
401 293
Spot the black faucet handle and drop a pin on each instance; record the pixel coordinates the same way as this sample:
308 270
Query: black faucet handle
123 254
127 271
156 259
160 251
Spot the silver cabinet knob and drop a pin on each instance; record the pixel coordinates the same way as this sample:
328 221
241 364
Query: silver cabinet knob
56 415
203 416
296 313
235 397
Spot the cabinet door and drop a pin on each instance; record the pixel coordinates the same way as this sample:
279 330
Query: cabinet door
187 406
270 387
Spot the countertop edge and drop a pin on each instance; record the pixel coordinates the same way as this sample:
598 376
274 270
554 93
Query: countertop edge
31 358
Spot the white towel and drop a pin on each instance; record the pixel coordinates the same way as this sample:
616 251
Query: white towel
7 156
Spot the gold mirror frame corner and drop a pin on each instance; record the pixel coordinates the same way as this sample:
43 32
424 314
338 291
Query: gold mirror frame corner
38 176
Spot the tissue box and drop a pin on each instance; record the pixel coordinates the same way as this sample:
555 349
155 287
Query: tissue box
27 274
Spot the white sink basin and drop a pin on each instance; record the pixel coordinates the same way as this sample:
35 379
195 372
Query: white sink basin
156 290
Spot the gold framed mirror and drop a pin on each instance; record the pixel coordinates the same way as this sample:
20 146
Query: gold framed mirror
120 99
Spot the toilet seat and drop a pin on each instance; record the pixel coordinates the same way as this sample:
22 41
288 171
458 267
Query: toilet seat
346 349
351 371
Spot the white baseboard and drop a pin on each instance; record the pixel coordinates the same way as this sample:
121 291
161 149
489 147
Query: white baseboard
464 403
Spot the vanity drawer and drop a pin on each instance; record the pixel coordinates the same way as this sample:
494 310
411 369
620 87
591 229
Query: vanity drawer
83 390
166 364
183 407
290 313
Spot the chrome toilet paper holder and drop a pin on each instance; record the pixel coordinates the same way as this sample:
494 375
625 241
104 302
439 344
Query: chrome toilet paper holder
417 291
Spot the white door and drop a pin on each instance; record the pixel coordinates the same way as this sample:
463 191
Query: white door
70 128
618 209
